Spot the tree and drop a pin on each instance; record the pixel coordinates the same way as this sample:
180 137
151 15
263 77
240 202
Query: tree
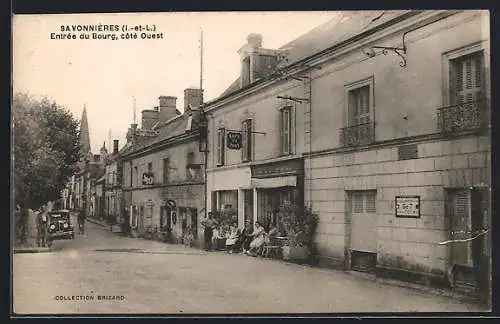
46 150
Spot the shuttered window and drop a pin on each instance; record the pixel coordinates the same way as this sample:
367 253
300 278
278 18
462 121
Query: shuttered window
458 205
359 106
165 170
285 130
246 149
221 146
467 78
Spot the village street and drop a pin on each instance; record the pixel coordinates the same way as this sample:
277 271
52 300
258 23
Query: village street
161 278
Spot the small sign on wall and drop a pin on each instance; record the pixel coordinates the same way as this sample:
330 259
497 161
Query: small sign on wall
408 206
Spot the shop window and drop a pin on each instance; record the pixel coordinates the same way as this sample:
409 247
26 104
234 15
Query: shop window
221 146
246 149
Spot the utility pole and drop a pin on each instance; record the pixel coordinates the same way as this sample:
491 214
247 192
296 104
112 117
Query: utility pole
204 129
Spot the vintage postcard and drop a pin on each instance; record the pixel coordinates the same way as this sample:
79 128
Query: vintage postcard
251 162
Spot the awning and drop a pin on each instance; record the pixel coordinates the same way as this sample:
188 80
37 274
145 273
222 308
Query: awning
288 181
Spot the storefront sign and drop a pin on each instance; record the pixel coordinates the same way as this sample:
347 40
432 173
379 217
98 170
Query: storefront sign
148 178
408 206
278 169
234 140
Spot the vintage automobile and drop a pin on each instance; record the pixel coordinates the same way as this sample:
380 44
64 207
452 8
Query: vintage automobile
60 226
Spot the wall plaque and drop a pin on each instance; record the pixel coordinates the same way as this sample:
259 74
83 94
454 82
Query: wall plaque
408 206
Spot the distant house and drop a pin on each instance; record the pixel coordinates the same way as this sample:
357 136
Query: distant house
163 182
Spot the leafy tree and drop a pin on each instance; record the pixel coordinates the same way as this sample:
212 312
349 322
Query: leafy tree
46 150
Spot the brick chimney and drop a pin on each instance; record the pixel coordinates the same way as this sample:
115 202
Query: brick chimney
131 133
193 97
149 118
256 61
168 107
115 146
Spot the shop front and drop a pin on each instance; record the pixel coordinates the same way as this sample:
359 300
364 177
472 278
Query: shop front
277 183
230 195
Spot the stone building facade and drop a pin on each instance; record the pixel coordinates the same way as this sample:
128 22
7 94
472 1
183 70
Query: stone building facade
255 179
395 148
163 173
400 157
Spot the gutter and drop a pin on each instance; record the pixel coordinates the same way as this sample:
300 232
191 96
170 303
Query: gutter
299 65
326 51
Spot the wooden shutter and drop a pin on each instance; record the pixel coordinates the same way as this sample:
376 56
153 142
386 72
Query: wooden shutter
363 105
221 146
248 146
467 79
461 227
244 141
352 109
286 130
218 150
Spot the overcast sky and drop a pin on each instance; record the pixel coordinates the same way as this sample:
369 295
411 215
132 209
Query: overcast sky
106 74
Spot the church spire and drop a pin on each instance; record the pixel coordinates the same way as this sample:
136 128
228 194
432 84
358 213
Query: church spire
84 134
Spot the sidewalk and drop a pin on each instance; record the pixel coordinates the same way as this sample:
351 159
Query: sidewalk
435 291
115 228
29 247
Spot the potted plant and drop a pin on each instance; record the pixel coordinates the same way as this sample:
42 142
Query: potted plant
299 225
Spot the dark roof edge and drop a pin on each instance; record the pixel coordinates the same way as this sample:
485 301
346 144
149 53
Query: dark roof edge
352 39
181 138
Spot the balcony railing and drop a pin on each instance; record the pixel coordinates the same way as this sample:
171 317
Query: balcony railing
357 135
466 117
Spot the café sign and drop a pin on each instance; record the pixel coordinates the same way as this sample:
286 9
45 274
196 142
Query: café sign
148 179
234 140
408 206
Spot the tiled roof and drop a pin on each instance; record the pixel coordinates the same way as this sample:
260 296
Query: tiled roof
171 128
345 25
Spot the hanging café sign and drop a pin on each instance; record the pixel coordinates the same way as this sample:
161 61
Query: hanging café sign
148 178
234 140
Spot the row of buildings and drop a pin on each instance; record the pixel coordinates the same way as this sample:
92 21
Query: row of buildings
378 120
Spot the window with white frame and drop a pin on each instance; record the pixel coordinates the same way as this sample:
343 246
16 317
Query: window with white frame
246 148
221 146
359 106
359 121
286 130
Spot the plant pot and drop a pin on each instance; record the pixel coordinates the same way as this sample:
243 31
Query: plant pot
295 253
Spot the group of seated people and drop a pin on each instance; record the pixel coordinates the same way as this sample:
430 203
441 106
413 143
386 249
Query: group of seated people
248 240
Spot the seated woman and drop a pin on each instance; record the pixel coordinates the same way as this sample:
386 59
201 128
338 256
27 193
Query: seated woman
273 232
258 239
232 237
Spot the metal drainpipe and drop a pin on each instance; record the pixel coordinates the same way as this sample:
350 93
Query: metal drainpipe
309 79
